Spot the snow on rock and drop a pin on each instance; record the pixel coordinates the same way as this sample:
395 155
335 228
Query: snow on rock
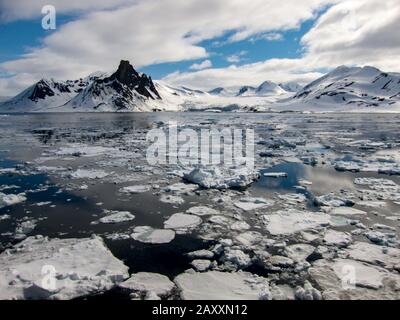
214 285
202 211
11 199
291 221
81 267
182 221
117 217
136 189
216 178
374 254
89 174
337 238
347 211
147 234
249 204
146 282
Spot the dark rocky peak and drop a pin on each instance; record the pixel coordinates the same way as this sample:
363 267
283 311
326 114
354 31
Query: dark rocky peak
128 76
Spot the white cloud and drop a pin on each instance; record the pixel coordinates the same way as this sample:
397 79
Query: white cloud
235 58
351 32
202 65
354 32
278 70
145 32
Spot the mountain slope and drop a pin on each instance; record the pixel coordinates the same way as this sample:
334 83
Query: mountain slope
124 90
359 87
45 95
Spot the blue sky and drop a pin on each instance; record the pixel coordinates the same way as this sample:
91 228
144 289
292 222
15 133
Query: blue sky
19 36
200 44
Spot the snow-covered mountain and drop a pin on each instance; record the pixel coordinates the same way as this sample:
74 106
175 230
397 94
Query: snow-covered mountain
126 90
267 88
46 94
355 86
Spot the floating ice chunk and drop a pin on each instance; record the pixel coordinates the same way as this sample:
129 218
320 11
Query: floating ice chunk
42 204
221 220
117 217
202 211
81 267
201 265
347 211
182 221
136 189
214 285
240 226
24 228
145 282
11 199
380 238
89 174
371 204
276 175
332 200
347 279
154 236
281 261
7 171
166 198
299 252
181 188
78 150
249 238
215 178
201 254
249 204
308 292
374 254
4 217
291 221
337 238
237 257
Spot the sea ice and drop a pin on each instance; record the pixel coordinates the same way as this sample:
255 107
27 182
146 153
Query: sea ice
291 221
117 217
136 189
214 285
80 267
182 221
145 282
89 174
249 204
346 211
153 236
11 199
215 178
202 211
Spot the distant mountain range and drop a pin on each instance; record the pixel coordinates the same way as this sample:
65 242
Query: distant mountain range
127 90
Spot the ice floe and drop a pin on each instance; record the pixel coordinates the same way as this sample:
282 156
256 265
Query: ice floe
182 221
144 283
216 178
11 199
147 234
117 217
249 204
290 221
42 268
214 285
